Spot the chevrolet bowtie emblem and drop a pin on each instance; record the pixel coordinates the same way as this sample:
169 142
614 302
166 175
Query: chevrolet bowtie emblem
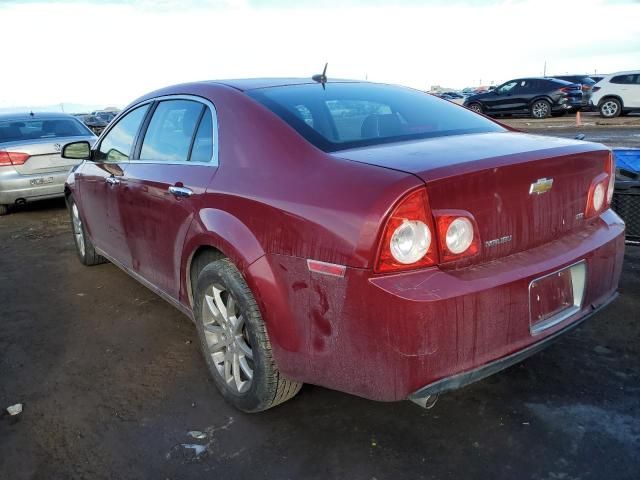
542 185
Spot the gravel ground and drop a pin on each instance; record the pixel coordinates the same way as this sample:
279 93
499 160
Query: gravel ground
112 381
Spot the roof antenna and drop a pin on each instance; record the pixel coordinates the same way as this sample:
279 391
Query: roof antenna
31 113
321 78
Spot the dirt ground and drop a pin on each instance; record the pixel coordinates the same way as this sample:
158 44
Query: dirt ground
112 381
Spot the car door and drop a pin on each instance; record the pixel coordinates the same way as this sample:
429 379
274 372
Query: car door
522 94
499 100
176 158
99 182
632 99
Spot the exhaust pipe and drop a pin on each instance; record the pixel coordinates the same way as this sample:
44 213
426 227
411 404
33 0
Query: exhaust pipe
427 402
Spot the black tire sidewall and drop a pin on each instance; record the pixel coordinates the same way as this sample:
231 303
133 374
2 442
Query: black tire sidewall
257 397
83 258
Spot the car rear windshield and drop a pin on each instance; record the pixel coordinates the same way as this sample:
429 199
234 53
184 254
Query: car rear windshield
19 130
351 115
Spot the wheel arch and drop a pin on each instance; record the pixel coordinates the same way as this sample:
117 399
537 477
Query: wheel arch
608 96
541 97
216 234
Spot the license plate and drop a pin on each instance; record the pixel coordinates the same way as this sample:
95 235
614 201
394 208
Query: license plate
556 296
41 180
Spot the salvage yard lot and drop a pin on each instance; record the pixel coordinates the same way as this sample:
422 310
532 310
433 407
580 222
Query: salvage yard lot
112 381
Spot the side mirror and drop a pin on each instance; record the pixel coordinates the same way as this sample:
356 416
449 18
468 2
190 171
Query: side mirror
77 151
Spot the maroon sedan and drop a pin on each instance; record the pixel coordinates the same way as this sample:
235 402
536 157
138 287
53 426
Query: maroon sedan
367 238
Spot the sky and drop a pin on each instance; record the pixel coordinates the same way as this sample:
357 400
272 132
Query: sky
109 52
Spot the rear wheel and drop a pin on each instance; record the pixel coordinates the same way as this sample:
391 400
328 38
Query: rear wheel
540 109
84 247
4 209
610 108
234 341
475 107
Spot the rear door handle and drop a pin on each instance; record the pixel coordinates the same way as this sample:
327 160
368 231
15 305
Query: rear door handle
180 191
112 180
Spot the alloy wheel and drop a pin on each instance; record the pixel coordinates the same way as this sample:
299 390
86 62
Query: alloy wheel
227 339
609 108
540 110
475 108
77 229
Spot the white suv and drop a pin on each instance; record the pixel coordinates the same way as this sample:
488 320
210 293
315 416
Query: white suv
617 94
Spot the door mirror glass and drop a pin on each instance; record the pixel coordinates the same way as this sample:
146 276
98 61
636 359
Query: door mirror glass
77 151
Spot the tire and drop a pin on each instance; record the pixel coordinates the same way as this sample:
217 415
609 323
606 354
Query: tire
4 209
540 109
84 248
475 107
234 341
610 107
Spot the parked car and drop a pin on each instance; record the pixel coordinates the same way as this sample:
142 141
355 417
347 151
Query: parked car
95 123
406 248
585 81
596 78
105 115
454 97
617 94
539 97
31 167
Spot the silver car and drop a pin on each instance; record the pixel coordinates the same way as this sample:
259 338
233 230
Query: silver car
31 167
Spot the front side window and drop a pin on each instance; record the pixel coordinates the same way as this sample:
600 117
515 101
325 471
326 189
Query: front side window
507 87
116 145
170 132
350 115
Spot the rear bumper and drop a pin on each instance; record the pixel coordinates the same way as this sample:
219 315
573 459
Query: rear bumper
466 378
388 337
14 186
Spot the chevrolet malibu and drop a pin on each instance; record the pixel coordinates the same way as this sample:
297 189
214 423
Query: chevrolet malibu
367 238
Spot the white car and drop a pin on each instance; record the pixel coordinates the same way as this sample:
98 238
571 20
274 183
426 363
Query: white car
617 94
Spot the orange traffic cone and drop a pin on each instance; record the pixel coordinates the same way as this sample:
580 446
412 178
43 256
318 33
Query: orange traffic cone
578 119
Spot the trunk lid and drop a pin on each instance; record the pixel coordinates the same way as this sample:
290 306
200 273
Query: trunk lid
44 154
491 176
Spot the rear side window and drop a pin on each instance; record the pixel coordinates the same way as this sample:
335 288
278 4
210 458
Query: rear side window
12 131
350 115
171 130
116 145
202 150
624 79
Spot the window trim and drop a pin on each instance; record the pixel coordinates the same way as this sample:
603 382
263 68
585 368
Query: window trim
134 154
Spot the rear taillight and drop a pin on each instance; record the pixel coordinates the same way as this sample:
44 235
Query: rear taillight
407 240
457 233
412 239
586 88
12 158
601 190
595 89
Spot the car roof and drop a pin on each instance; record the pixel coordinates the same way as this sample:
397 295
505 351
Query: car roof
21 116
628 72
244 84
